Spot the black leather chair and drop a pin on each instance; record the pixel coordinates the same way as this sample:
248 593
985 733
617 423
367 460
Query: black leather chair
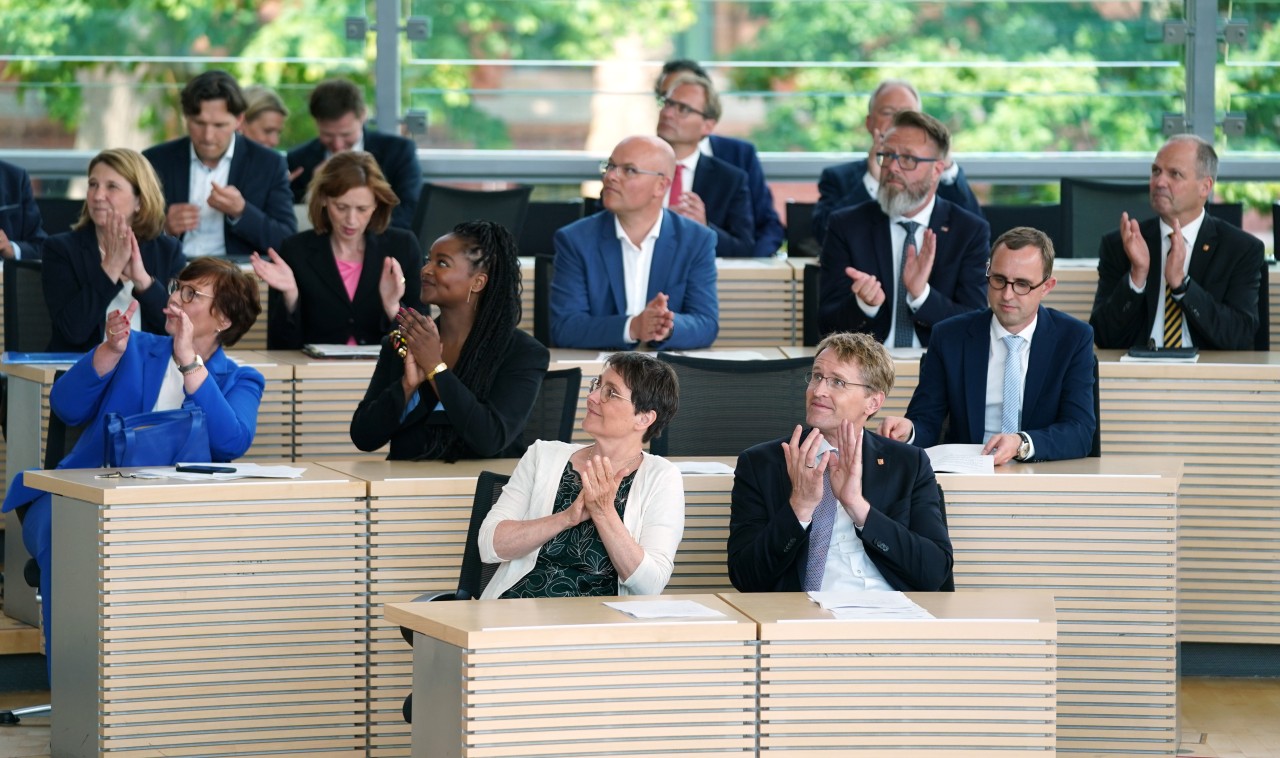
58 214
27 325
800 240
544 270
474 575
1092 209
555 407
812 332
543 220
440 208
1232 213
1046 218
726 406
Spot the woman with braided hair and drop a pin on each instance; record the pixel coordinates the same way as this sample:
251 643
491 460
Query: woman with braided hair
462 385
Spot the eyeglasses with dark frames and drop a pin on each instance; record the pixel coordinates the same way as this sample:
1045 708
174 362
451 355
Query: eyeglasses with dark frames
187 293
1020 286
907 162
606 393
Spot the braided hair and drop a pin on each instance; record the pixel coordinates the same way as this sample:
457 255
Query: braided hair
492 249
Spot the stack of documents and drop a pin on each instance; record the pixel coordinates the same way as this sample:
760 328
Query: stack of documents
869 605
665 609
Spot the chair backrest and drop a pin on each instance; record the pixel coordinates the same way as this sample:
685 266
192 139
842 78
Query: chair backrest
1232 213
726 406
441 208
1262 337
812 292
800 240
544 269
950 584
1095 451
27 324
1092 209
59 438
543 220
475 574
1046 218
555 407
57 214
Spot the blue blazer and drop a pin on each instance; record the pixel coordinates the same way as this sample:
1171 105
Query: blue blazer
841 186
1057 401
19 214
258 172
905 534
859 237
397 157
723 189
229 398
742 154
589 296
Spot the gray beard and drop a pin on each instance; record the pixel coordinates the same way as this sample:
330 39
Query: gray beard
898 202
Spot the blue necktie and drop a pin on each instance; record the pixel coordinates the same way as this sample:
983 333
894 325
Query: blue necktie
824 517
1011 407
902 327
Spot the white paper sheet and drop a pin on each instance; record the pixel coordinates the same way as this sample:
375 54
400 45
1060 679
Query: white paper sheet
703 467
243 471
665 609
960 459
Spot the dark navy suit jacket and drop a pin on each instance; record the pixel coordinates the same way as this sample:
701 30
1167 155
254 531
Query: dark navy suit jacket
1221 304
723 189
19 214
841 187
742 154
905 534
859 237
397 157
258 172
1057 400
589 295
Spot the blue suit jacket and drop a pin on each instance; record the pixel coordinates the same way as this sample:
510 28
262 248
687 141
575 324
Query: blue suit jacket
589 296
229 398
859 237
1057 400
742 154
723 189
397 157
19 214
841 187
258 172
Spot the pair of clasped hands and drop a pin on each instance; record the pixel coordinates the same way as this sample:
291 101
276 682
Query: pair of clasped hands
806 468
655 323
121 256
915 273
1139 255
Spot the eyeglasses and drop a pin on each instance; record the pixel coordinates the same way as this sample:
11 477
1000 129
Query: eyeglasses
187 293
1020 286
626 172
606 393
816 380
907 162
681 109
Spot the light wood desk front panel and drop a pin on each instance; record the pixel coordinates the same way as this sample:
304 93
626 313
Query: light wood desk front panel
326 393
1100 533
978 680
211 619
571 676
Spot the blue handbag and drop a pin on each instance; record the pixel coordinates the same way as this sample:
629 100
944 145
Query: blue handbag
159 438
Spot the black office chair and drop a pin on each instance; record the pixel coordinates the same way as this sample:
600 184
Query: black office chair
58 214
474 575
949 585
1095 451
800 240
441 208
543 220
812 332
1092 209
544 270
27 325
555 407
1046 218
726 406
1262 337
1232 213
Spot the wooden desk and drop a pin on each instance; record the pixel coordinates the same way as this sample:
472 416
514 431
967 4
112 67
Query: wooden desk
979 680
205 618
570 675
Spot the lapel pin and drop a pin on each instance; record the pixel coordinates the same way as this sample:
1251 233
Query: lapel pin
946 228
1205 248
879 461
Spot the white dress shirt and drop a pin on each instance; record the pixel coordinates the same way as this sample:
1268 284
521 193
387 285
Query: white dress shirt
897 236
995 373
636 262
848 566
208 238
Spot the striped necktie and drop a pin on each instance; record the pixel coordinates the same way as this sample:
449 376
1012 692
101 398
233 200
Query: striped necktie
1011 397
824 518
1172 315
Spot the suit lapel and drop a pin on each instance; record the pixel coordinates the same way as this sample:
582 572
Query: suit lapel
160 352
181 190
1042 345
325 268
664 258
1203 249
610 248
370 273
235 176
882 243
977 352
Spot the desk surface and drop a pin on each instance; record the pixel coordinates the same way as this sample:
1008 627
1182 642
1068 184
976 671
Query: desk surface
82 484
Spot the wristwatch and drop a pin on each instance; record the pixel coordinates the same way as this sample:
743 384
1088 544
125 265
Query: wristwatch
1024 450
191 367
1181 289
439 367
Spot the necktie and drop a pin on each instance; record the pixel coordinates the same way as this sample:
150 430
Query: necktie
824 517
902 327
1011 405
677 187
1172 316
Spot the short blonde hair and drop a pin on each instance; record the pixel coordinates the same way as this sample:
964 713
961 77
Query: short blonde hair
343 173
874 361
148 222
259 100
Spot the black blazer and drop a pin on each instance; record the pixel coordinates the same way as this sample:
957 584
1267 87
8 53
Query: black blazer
490 429
905 534
397 157
1221 303
258 172
77 291
859 237
841 187
325 315
19 214
723 189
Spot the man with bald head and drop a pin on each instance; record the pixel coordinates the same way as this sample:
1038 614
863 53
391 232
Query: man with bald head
635 273
849 184
1185 278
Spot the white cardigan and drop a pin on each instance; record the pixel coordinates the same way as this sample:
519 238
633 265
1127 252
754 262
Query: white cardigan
654 516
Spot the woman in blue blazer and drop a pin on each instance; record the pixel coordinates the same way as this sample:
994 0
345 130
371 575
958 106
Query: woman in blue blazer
211 304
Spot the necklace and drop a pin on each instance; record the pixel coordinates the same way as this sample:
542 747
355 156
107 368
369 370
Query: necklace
621 466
